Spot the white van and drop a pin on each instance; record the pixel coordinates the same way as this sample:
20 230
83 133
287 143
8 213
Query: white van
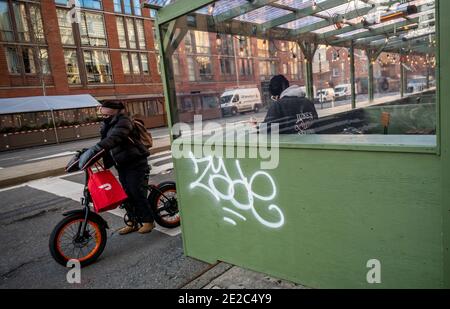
325 95
240 100
342 92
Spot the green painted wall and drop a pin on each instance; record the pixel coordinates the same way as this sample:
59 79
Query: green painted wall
341 208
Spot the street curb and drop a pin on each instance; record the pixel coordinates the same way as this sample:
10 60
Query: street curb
4 183
208 276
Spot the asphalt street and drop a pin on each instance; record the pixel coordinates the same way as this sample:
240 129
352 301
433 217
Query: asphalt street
29 212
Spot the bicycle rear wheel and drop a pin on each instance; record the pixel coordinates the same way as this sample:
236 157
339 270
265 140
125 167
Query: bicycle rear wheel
165 206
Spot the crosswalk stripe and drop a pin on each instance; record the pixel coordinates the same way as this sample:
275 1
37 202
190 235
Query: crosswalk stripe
160 159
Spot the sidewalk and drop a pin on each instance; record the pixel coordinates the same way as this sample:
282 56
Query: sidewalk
226 276
16 175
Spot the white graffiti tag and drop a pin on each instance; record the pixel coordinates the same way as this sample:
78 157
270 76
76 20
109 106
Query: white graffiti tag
218 172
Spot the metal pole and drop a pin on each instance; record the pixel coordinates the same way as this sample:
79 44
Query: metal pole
309 80
371 79
402 76
236 62
352 75
54 126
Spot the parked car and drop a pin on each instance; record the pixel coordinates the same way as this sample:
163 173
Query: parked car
240 100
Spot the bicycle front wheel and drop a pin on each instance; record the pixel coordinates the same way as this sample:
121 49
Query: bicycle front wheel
67 243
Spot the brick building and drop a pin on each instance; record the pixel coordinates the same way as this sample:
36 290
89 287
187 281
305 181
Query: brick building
111 54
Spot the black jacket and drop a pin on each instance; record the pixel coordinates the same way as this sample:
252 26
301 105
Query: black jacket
120 144
295 115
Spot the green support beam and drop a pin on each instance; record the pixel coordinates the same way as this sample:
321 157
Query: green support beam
241 10
351 27
386 30
372 56
300 13
326 23
403 79
179 8
309 50
168 79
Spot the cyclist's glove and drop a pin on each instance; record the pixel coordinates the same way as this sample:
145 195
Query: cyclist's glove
91 156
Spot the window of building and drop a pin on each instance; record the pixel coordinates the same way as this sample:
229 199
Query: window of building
204 68
65 27
121 32
27 22
137 7
191 69
227 46
29 64
6 29
135 63
131 33
91 4
227 66
118 6
263 48
210 102
202 42
176 65
244 47
188 42
246 67
92 29
20 16
36 23
125 63
12 59
97 65
336 72
144 62
127 6
72 69
140 33
285 68
155 38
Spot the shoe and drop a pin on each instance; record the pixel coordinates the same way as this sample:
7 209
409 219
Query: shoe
146 228
127 230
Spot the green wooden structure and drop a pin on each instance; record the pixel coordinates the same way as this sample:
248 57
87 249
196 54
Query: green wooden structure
335 203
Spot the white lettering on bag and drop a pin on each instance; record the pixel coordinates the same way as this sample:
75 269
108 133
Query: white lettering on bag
106 187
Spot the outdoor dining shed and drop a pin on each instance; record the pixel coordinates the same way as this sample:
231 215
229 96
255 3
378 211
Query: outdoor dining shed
340 210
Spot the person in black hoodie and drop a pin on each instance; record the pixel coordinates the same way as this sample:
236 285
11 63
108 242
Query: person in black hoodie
294 113
120 147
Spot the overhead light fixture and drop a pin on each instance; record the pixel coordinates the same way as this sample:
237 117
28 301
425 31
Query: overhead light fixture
384 16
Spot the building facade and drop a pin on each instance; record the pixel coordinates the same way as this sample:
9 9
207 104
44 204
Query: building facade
107 49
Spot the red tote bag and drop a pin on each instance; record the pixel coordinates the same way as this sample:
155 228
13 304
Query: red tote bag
106 191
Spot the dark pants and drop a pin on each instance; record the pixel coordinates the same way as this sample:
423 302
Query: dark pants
135 182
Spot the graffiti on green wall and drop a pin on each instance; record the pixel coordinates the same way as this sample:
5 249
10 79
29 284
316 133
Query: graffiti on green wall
215 171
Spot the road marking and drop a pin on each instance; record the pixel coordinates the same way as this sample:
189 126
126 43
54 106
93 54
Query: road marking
73 191
10 158
162 168
158 154
62 154
160 159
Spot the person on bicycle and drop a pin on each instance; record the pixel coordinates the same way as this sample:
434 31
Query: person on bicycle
129 156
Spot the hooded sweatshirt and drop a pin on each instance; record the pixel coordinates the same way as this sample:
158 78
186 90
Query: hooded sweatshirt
294 113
